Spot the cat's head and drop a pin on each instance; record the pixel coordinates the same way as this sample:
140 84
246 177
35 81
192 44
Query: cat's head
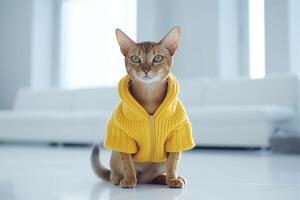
149 61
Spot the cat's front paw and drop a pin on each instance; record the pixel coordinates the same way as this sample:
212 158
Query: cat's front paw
128 183
178 182
116 180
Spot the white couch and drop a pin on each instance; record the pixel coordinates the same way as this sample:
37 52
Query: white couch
234 113
241 112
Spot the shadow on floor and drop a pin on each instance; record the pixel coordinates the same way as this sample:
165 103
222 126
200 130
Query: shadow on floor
105 190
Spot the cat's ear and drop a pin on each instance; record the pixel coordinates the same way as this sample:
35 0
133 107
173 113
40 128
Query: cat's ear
171 40
124 42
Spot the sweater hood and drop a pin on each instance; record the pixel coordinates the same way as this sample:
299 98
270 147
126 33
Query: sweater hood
135 111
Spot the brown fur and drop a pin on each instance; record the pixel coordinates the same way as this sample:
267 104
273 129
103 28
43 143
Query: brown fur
148 85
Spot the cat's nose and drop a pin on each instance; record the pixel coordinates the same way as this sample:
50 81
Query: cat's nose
146 69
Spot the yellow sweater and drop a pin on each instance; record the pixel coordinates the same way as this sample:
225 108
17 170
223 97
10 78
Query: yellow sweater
132 130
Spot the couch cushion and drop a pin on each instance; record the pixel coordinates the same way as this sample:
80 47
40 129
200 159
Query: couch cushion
60 99
36 118
273 90
240 113
192 91
56 126
51 99
96 98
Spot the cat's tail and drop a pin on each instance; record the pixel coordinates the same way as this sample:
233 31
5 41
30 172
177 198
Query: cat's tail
98 168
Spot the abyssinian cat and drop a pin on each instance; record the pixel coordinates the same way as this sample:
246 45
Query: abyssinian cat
148 65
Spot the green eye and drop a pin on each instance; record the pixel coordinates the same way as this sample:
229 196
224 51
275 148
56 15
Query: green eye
135 59
158 58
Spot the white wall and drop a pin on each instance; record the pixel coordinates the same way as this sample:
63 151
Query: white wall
230 38
199 49
214 35
277 36
147 14
26 50
15 42
209 45
282 36
42 43
294 35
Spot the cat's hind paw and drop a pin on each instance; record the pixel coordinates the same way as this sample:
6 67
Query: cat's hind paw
176 182
183 179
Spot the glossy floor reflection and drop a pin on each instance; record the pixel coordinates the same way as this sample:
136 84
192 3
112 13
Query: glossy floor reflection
35 173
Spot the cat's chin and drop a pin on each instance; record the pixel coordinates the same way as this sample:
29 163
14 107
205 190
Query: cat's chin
148 79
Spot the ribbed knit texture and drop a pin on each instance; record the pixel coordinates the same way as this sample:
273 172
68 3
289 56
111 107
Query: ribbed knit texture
132 130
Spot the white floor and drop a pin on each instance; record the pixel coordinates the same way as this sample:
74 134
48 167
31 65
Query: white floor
40 173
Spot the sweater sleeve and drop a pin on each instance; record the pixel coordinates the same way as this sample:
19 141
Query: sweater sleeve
118 140
180 139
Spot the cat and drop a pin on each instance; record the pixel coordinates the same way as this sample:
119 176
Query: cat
148 65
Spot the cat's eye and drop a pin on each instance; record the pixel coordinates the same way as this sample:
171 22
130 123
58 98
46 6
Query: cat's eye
158 58
135 59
